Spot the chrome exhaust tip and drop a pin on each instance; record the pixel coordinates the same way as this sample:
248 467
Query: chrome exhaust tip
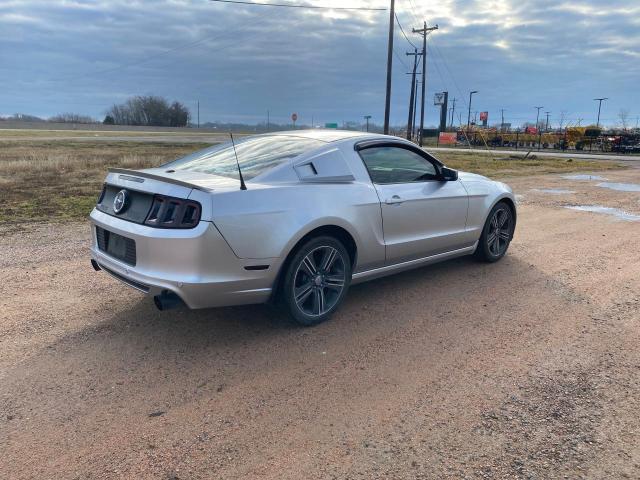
167 301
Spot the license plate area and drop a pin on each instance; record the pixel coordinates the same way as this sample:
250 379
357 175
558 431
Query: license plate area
116 246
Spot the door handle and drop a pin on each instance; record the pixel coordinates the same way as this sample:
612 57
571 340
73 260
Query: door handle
395 200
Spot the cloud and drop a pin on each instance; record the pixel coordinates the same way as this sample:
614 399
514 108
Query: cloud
240 61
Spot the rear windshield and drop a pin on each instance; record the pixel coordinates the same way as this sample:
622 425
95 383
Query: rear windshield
256 155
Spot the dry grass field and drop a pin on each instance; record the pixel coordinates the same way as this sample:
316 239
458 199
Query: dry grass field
57 180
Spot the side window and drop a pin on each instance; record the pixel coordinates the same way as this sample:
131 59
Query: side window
397 165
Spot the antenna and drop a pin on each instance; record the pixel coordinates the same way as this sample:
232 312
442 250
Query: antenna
242 185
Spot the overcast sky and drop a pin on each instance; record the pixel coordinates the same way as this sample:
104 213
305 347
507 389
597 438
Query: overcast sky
240 61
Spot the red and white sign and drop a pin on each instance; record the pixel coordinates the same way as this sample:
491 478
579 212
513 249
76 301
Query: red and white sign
531 130
448 138
484 116
294 116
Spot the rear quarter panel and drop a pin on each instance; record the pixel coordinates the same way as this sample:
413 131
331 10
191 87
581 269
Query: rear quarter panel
267 221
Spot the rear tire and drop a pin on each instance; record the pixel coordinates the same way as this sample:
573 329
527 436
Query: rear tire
496 234
316 280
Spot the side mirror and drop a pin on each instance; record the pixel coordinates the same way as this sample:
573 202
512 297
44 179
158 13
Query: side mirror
448 174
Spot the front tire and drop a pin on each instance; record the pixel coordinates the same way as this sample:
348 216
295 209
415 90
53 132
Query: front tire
496 234
316 280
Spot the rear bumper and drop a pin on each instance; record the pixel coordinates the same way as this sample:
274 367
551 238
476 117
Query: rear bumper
196 264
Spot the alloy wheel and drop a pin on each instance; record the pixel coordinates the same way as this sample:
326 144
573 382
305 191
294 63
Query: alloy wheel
499 234
319 281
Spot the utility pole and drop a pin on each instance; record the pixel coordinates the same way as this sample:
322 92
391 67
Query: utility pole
600 100
367 117
413 92
538 116
453 110
424 32
469 115
502 124
268 120
387 105
547 126
198 113
415 109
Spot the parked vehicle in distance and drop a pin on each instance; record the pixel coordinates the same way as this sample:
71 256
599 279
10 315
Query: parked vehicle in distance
312 213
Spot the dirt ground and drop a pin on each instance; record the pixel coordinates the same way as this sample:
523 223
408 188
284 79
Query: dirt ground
528 368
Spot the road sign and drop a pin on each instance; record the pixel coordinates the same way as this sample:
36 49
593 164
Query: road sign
330 125
438 99
294 117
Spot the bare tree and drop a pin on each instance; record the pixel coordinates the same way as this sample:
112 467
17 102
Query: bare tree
150 111
563 118
623 115
71 118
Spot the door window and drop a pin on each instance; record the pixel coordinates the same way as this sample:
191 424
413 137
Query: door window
397 165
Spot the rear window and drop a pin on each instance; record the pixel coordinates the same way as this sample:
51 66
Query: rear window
256 155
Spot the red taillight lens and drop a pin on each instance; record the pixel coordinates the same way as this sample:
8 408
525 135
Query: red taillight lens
169 212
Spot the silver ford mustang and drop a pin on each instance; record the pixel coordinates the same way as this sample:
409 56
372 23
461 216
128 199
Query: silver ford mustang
293 216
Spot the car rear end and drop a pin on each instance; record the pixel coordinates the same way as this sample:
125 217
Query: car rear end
155 234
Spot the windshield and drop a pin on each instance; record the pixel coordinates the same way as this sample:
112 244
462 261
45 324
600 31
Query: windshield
256 155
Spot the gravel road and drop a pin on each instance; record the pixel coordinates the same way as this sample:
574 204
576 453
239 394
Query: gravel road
528 368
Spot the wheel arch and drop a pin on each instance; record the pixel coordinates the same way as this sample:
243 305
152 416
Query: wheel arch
510 203
329 229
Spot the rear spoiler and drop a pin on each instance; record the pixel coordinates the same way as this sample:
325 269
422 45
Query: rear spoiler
138 176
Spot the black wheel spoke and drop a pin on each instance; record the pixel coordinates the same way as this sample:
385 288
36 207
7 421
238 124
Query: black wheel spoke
329 258
334 282
503 218
303 292
309 264
318 301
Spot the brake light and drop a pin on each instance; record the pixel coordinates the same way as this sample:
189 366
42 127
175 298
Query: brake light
170 212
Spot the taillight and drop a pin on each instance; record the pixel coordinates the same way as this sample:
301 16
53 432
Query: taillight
169 212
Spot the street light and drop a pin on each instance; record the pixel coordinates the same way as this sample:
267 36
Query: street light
599 100
469 115
538 117
367 117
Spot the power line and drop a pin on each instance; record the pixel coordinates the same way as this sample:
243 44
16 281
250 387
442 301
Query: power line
292 5
446 65
400 59
404 34
413 11
435 64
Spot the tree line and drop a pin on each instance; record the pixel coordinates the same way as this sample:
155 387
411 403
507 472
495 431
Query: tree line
148 110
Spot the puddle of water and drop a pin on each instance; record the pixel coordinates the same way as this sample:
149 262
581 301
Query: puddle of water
622 187
616 212
553 191
583 177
